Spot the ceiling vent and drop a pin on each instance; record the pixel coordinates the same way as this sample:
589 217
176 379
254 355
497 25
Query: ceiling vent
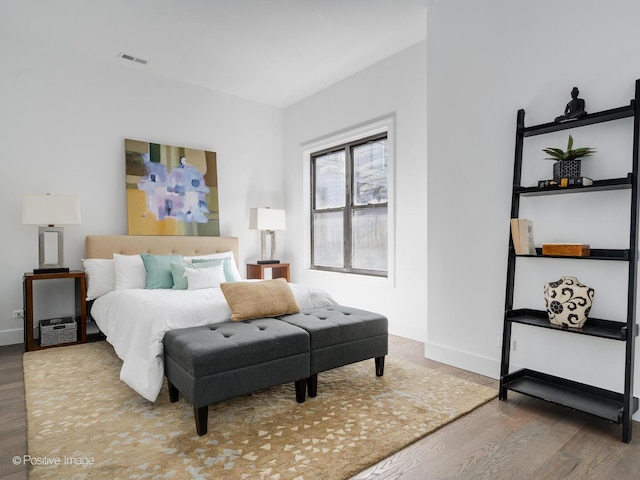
131 58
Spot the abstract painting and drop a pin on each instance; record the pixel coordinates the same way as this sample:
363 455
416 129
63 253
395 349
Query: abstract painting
171 190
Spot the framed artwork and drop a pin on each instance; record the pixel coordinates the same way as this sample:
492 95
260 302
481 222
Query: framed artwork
171 190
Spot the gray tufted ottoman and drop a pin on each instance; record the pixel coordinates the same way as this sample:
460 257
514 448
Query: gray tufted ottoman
340 336
216 362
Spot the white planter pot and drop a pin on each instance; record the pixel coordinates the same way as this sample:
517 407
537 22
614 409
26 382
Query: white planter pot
568 302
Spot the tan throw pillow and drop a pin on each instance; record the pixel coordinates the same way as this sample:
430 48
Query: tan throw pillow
267 298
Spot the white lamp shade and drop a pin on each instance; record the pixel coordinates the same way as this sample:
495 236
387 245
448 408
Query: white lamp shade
50 210
267 219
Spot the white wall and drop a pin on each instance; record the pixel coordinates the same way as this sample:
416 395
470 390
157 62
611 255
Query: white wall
63 122
485 61
393 87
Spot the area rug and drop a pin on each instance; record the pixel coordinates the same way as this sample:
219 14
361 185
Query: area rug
83 422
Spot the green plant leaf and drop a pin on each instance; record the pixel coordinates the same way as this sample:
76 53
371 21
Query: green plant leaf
554 153
583 152
560 155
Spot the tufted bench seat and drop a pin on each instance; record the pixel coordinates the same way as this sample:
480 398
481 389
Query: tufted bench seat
212 363
340 336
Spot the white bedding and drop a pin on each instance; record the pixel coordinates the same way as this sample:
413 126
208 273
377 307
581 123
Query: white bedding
135 321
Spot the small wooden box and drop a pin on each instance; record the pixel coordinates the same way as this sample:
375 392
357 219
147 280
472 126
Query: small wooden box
566 249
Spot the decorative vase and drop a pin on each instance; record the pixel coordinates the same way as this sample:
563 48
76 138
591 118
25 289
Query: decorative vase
567 169
568 302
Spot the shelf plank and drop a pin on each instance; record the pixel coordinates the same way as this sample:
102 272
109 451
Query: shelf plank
622 183
596 254
577 396
592 118
594 327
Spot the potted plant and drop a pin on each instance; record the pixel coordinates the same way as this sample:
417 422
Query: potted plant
568 162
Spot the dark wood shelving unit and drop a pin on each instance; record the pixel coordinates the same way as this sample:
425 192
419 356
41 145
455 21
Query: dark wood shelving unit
617 407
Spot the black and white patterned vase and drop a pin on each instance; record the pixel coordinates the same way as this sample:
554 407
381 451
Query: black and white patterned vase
567 169
568 302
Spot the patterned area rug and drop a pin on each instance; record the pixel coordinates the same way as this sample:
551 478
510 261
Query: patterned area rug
84 423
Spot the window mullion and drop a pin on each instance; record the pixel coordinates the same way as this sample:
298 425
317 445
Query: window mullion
313 209
347 208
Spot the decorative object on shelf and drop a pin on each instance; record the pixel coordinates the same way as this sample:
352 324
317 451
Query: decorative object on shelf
566 182
267 220
568 302
522 236
568 164
47 211
566 249
574 109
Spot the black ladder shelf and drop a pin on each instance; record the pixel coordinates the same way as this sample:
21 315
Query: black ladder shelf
613 406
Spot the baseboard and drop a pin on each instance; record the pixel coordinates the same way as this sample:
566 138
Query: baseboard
489 367
407 330
11 337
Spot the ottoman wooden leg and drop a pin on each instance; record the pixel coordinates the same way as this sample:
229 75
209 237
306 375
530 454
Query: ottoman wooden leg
379 366
312 385
174 394
301 386
202 419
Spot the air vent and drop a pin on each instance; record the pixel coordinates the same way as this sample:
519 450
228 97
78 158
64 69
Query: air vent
131 58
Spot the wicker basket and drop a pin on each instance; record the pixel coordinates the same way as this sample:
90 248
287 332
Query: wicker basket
55 331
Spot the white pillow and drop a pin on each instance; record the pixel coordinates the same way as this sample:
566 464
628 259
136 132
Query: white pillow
130 271
231 272
209 277
101 276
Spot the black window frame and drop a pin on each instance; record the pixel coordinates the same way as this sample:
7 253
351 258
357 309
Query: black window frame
349 208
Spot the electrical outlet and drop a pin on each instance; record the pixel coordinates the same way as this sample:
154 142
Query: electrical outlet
18 314
499 342
513 345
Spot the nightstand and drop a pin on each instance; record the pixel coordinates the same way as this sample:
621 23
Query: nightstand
255 271
80 309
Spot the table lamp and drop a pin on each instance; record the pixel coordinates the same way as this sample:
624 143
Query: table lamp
47 211
267 220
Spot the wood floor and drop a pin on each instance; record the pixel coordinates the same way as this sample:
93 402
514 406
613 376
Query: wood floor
520 439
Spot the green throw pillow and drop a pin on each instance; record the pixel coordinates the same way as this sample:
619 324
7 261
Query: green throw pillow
158 269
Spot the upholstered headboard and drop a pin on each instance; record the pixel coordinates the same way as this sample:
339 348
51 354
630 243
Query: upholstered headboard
104 246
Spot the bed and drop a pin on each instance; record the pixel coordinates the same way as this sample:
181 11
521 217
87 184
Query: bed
135 316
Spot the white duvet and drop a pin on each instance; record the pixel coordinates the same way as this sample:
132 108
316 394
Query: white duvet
135 321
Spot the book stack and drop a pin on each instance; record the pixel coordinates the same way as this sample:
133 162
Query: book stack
522 236
566 182
566 249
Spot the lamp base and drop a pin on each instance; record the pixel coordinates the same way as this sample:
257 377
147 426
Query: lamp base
40 271
268 262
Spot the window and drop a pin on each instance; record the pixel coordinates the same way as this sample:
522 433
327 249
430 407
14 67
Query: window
349 202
